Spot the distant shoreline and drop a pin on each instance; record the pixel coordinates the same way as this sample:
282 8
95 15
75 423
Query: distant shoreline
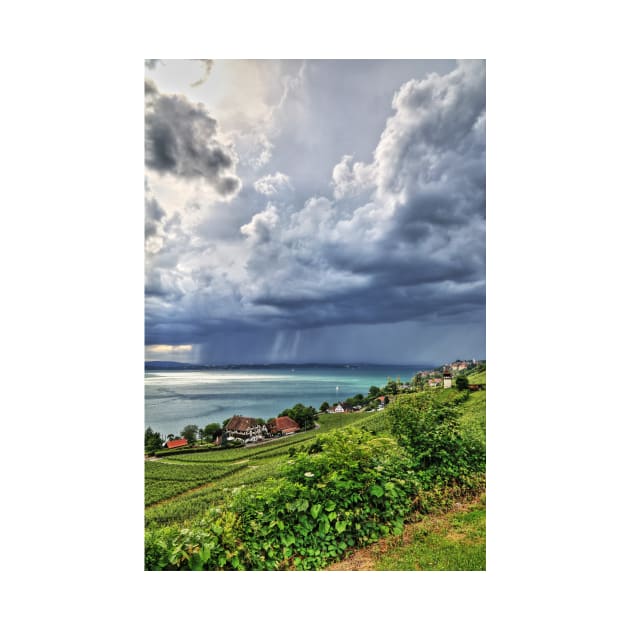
173 365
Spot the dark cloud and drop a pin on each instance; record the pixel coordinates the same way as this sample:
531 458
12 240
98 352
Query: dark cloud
181 140
399 242
417 247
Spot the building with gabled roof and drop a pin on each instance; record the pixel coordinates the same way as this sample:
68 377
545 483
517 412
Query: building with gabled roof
284 425
244 428
177 443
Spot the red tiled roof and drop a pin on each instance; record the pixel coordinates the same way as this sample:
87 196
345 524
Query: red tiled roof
240 423
176 443
283 423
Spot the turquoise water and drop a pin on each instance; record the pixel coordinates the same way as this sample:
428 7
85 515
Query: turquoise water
174 399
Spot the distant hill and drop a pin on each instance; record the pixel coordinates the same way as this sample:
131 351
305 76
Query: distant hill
171 365
175 365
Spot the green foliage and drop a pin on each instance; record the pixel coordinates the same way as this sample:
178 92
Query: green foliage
427 426
354 490
324 406
391 387
152 440
210 431
304 416
461 382
418 381
211 542
190 432
181 500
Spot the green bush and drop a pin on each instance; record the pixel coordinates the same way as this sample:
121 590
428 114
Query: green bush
353 491
211 543
427 426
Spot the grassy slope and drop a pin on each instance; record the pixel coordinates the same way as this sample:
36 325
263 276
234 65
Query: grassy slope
182 487
478 377
455 541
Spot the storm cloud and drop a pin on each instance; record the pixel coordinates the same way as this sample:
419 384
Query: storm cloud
181 140
390 246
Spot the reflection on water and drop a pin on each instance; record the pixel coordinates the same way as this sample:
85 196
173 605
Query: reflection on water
174 399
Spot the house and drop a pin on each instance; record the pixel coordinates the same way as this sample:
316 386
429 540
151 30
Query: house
245 428
283 425
177 443
448 379
338 408
458 366
434 382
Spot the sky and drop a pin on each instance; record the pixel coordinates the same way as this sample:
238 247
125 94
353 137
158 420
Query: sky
329 211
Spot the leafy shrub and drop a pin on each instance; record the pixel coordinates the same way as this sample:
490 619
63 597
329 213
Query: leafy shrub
348 492
427 426
353 491
210 543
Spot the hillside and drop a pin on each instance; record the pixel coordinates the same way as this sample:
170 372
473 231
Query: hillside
289 489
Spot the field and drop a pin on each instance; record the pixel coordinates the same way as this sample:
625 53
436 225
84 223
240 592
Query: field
181 487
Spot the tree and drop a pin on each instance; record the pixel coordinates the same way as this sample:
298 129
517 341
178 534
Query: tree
417 381
461 382
391 387
152 440
190 432
304 416
210 431
324 406
374 392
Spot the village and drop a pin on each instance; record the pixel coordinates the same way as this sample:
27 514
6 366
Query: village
246 431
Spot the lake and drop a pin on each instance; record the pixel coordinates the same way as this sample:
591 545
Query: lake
175 398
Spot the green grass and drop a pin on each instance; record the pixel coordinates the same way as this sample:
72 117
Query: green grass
455 542
478 378
473 418
164 480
